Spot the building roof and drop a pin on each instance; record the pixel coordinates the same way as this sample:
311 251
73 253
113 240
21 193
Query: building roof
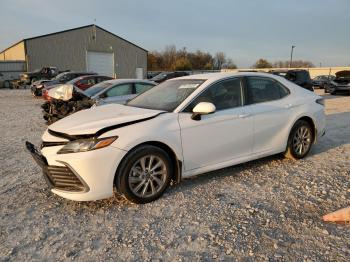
77 28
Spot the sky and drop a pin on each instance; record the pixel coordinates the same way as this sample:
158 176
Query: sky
244 30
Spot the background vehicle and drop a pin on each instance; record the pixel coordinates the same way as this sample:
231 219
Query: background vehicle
163 76
340 84
43 73
68 99
83 83
10 71
2 80
300 77
322 80
152 74
61 78
180 128
117 91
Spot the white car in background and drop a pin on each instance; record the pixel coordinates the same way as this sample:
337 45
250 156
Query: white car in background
183 127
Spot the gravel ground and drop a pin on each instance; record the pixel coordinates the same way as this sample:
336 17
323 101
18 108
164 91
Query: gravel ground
268 209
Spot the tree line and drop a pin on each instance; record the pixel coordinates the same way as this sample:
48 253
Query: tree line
263 63
173 59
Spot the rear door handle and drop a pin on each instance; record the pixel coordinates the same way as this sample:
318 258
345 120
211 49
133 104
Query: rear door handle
288 106
244 115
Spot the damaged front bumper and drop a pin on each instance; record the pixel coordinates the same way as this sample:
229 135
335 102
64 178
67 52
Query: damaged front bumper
84 176
58 177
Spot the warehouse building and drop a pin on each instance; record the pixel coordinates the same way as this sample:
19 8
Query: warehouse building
88 48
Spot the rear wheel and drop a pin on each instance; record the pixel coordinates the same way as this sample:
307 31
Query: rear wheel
300 140
144 174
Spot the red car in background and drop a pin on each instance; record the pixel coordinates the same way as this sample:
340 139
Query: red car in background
82 82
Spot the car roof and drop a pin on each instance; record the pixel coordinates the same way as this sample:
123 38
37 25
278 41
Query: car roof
218 76
126 80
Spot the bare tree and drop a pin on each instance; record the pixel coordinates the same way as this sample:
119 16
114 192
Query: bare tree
219 60
173 59
262 63
229 64
295 64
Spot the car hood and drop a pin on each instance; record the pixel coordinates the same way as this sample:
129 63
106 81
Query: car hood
344 73
93 120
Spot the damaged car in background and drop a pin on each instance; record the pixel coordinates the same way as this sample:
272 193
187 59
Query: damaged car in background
82 83
68 99
339 85
61 78
180 128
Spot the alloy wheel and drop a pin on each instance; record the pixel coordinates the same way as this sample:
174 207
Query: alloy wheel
302 140
147 176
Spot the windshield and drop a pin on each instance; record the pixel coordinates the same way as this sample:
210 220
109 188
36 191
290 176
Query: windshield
97 88
59 76
166 96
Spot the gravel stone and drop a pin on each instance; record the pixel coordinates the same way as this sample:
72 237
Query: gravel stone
264 210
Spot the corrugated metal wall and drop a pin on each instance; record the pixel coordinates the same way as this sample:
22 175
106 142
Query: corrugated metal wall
15 52
67 50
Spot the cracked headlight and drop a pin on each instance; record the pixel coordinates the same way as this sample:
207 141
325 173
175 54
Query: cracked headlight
83 145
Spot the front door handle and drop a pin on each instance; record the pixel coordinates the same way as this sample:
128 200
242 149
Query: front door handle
244 115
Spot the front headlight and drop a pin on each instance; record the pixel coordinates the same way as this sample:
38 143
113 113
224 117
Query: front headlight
84 145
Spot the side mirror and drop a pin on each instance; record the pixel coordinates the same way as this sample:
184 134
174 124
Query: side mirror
203 108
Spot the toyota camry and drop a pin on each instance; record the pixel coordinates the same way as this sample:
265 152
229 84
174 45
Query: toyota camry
178 129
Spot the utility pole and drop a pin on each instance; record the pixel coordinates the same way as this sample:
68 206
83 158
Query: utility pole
291 56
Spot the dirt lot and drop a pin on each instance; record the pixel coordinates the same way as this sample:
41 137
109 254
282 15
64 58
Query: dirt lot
263 210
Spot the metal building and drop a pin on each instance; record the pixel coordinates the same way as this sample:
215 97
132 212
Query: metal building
87 48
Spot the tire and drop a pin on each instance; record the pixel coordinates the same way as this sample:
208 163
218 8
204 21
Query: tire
7 84
300 140
135 178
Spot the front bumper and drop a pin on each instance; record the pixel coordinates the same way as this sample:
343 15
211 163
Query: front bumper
94 171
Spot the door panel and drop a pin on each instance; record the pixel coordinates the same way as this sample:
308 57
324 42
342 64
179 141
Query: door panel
270 125
271 111
118 99
217 137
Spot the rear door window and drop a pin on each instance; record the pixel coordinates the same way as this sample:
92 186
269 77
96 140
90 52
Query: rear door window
261 89
142 87
120 90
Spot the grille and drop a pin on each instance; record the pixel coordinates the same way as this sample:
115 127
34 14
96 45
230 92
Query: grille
62 177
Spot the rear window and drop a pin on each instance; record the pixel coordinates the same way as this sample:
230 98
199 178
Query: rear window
262 89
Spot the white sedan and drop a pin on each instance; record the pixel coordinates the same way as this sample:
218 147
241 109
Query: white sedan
180 128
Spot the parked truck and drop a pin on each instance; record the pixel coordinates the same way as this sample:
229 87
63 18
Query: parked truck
10 71
47 72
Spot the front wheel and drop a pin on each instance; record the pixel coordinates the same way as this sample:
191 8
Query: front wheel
300 140
144 174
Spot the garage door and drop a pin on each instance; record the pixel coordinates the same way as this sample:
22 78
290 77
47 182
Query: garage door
101 63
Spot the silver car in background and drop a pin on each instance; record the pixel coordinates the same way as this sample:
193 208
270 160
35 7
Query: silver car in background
118 91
